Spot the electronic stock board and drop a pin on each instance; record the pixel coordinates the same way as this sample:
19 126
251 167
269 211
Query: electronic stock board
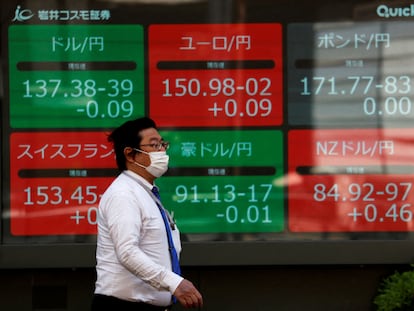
285 124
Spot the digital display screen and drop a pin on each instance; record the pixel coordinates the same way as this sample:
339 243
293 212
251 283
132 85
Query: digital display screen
285 123
75 76
56 181
350 74
216 75
237 194
345 186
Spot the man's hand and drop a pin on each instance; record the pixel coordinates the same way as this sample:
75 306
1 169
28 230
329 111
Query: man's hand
188 295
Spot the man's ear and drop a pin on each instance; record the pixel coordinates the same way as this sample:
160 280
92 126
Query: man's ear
129 153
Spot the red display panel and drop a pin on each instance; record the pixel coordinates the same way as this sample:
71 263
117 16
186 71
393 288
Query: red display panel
56 181
216 75
350 180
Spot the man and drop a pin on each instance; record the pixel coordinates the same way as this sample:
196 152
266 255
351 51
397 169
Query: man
134 264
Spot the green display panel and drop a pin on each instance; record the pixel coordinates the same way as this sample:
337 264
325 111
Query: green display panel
83 76
225 181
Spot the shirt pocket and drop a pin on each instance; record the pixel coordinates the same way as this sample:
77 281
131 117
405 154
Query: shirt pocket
153 230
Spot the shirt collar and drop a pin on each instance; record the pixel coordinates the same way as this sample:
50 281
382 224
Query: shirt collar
139 178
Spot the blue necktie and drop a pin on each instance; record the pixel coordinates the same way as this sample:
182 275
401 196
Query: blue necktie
173 253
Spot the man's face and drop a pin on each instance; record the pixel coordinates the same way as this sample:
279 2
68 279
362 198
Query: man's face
150 136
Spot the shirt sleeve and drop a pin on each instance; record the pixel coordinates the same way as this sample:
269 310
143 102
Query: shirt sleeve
124 222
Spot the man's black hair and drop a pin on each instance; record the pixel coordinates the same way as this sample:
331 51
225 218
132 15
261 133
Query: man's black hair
128 135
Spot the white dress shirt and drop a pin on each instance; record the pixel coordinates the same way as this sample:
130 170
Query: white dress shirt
133 261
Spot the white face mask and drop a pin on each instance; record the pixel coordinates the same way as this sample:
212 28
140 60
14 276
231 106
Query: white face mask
159 163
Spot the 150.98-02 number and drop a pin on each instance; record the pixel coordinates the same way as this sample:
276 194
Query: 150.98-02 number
215 87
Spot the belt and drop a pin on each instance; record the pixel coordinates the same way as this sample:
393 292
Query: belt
103 302
149 307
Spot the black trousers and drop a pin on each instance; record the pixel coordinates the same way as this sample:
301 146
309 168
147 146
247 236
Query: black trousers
109 303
